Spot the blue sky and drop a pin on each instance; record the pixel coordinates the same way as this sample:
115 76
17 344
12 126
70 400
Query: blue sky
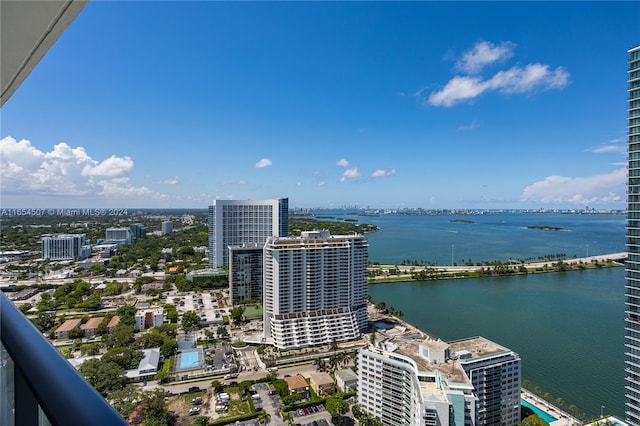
386 105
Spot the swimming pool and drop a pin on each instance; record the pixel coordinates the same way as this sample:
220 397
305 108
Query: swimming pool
189 360
542 414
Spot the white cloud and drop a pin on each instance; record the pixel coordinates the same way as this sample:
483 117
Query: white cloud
171 181
531 77
350 174
471 126
111 167
602 149
383 173
321 183
484 53
342 163
458 89
597 189
265 162
26 171
517 79
514 80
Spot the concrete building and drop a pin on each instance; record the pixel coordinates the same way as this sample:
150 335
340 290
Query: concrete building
65 247
315 289
119 235
91 326
148 318
167 227
322 384
148 366
245 272
113 322
62 332
405 381
632 292
298 384
237 222
346 380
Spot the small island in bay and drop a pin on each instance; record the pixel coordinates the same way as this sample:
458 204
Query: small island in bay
547 228
461 221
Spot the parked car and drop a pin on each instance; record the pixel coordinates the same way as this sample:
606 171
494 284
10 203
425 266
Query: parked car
194 411
193 389
197 400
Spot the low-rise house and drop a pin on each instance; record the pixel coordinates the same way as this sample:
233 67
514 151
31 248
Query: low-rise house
298 384
62 332
113 322
322 384
156 285
346 380
148 366
91 326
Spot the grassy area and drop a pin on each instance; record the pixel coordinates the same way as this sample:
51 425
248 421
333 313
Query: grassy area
253 311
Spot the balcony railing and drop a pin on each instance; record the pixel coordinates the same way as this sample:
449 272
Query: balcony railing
38 382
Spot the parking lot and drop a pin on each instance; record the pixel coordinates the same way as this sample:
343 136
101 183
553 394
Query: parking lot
204 304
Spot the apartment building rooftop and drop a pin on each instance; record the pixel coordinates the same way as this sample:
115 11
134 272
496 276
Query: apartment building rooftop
449 369
475 347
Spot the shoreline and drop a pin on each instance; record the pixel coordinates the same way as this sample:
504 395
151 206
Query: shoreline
447 272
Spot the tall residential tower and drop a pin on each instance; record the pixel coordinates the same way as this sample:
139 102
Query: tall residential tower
632 299
237 222
315 289
407 381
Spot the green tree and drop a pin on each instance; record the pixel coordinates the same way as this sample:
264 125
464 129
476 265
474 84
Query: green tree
202 421
97 269
237 314
44 321
150 340
127 315
126 358
533 420
170 330
190 321
121 336
91 303
172 312
25 308
337 407
222 332
104 376
90 349
291 399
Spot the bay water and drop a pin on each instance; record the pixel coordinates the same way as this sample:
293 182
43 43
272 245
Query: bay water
568 327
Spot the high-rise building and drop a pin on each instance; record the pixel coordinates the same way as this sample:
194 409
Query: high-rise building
315 289
65 247
138 230
119 235
237 222
471 382
167 227
632 293
245 273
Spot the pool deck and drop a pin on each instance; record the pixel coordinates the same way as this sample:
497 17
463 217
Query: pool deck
564 418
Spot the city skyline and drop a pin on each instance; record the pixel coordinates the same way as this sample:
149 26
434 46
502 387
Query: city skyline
432 105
